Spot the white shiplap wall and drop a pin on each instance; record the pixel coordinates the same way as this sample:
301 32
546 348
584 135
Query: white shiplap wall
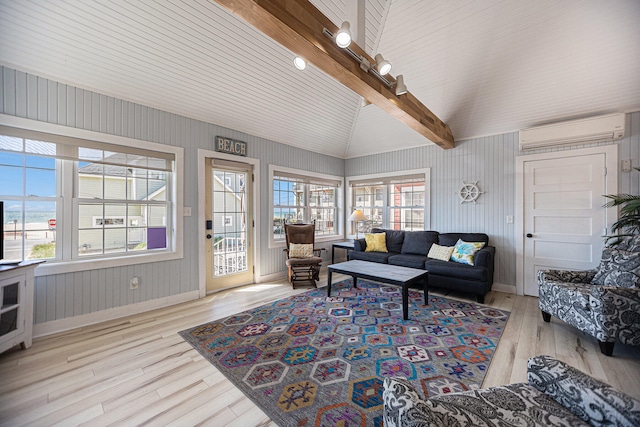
491 161
72 294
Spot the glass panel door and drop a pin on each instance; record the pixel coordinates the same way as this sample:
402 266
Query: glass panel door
229 226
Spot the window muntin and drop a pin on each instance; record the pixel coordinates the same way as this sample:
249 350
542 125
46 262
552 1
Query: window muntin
120 200
300 198
393 202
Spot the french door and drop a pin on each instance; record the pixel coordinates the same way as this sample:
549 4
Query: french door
228 225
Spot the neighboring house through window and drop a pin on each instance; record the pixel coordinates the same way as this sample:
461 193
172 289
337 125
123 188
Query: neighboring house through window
301 196
398 201
70 199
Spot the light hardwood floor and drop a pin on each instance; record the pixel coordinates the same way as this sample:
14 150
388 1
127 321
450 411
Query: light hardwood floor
138 371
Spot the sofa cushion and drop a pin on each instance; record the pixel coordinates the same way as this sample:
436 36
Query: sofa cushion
618 268
418 242
464 252
381 257
510 405
408 260
394 239
456 270
443 253
450 239
376 242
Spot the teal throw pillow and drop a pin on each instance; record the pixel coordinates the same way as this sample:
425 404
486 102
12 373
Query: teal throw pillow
464 252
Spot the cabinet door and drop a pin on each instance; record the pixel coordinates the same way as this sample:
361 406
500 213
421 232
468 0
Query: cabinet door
12 307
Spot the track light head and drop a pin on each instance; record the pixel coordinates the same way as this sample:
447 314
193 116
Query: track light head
343 37
401 88
299 63
382 65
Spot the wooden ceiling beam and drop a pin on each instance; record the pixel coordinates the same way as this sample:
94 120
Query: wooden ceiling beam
298 25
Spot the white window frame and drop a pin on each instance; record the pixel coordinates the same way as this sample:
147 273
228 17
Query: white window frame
378 176
273 171
175 247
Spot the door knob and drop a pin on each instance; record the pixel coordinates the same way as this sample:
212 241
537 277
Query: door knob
529 235
208 236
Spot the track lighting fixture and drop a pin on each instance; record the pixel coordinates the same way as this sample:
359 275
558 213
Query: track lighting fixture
343 37
401 88
299 63
382 65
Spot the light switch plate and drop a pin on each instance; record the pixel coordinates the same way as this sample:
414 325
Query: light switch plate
626 165
186 211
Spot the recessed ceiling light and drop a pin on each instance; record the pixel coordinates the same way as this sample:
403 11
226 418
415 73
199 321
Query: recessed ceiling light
299 63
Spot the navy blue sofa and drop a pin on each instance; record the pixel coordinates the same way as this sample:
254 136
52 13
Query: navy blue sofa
410 249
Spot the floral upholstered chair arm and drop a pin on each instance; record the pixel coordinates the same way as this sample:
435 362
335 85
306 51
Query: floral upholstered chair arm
593 401
616 312
403 406
566 276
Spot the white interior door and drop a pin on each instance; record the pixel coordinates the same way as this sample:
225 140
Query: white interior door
564 220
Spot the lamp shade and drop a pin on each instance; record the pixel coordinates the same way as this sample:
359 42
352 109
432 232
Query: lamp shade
357 215
343 38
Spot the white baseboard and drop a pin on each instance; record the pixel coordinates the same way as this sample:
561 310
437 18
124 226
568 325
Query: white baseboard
501 287
55 326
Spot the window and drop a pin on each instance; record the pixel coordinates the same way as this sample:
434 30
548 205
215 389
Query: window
299 197
397 202
70 199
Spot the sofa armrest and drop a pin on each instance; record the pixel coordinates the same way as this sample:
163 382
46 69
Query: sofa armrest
615 313
359 245
566 276
484 257
595 402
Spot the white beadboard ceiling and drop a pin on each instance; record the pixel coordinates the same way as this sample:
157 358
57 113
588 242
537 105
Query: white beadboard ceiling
482 66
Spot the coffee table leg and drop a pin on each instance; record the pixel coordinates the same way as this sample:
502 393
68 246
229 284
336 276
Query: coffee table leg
425 289
405 302
329 283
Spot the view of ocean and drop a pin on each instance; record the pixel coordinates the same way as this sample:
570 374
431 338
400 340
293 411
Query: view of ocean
30 217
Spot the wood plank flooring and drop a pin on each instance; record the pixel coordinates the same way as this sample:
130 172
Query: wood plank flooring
138 371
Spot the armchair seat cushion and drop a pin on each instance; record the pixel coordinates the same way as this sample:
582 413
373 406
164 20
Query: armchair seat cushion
299 262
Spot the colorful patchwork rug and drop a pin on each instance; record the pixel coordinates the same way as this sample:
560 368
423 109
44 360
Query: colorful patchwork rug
313 360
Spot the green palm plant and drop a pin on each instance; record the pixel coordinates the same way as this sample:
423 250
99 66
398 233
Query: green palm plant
628 223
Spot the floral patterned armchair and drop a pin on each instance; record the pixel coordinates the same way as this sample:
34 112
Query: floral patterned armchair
556 395
603 302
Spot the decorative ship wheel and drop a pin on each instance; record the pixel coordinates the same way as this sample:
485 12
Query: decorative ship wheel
469 192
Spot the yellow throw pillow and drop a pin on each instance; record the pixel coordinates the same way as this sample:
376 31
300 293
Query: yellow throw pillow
300 250
464 252
376 242
442 253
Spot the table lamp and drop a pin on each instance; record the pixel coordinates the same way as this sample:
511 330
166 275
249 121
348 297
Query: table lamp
356 216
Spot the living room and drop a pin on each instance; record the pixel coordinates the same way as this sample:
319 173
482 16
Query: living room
86 294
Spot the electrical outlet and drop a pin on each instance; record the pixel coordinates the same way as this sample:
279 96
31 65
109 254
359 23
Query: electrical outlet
509 219
134 282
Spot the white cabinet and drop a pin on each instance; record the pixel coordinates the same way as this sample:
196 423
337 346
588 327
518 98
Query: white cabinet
16 304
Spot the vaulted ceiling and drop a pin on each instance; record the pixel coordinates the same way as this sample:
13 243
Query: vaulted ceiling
483 67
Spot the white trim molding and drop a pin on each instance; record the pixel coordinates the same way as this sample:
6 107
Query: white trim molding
74 322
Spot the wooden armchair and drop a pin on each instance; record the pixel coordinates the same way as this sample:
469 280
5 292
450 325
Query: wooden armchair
303 259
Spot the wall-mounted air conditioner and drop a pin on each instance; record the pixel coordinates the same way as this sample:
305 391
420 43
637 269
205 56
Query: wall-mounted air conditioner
593 129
